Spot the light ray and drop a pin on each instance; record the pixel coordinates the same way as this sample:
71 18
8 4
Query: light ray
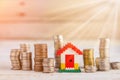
75 21
71 7
90 29
70 25
115 26
73 13
105 26
88 21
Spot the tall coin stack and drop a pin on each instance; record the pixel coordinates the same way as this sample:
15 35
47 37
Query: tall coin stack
15 59
26 57
40 54
104 48
103 63
48 65
24 47
26 60
88 56
58 44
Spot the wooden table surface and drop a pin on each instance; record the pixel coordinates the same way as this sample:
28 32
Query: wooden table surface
7 74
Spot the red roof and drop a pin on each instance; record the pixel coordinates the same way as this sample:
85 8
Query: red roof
69 45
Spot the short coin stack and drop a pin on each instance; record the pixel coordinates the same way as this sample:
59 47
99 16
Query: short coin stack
48 65
88 56
97 62
26 57
58 44
90 69
115 65
103 63
40 54
15 59
26 60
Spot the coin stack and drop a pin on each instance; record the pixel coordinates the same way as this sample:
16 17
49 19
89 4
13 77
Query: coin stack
90 69
26 60
103 63
97 62
24 47
58 44
104 48
88 56
48 65
115 65
40 54
15 59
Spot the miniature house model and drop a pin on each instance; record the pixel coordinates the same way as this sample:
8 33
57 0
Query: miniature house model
69 58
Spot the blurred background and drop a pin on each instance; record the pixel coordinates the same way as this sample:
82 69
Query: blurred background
75 19
82 22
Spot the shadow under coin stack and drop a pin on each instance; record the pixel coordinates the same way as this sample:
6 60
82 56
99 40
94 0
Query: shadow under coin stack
88 56
40 54
58 44
48 65
103 62
26 57
26 60
15 59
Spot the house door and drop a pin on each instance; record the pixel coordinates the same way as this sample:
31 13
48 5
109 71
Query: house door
69 61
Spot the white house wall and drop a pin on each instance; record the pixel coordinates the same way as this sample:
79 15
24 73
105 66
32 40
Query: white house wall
68 52
76 59
62 58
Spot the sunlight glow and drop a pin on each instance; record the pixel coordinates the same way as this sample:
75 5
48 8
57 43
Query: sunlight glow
114 1
74 19
88 21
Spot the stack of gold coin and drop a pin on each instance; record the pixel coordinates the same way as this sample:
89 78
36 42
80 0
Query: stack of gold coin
26 60
48 65
40 54
58 44
25 47
90 69
115 65
15 59
88 56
